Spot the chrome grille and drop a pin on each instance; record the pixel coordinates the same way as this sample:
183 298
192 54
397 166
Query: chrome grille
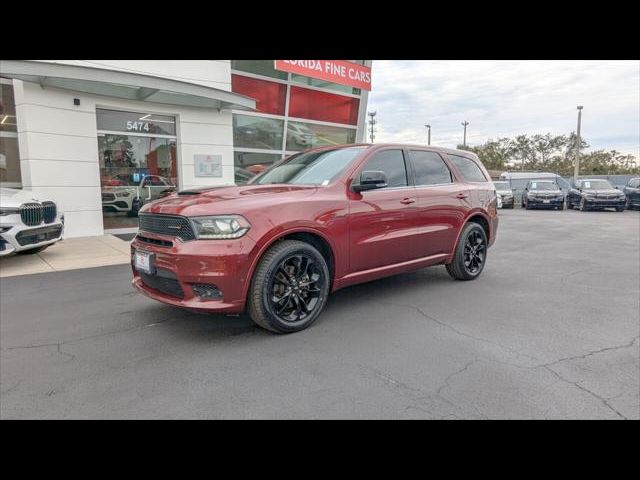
31 214
49 211
108 197
171 225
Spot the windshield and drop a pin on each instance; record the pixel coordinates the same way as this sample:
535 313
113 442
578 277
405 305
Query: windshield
502 185
543 186
310 168
596 184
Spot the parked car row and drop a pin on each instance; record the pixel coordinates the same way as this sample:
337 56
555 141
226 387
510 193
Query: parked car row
584 194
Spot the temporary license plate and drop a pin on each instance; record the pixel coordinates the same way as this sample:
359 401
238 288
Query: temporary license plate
546 201
144 261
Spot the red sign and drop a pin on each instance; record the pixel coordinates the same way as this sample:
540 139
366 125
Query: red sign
336 71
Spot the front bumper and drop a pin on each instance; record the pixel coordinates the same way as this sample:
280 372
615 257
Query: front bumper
507 201
596 203
118 205
545 202
20 237
182 265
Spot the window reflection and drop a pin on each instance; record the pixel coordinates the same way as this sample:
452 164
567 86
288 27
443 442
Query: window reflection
257 132
301 136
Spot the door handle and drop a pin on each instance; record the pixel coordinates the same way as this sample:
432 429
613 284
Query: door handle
462 195
407 201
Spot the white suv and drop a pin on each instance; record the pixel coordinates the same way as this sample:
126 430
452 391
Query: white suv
27 225
121 194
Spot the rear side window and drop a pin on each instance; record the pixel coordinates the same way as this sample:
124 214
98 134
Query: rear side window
429 168
468 168
391 162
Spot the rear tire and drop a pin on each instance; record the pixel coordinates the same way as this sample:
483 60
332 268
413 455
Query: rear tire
463 266
289 288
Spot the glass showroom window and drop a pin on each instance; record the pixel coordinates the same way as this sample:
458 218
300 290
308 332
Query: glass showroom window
301 136
137 156
9 154
250 164
257 132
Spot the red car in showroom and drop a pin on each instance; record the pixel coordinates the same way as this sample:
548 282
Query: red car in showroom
313 223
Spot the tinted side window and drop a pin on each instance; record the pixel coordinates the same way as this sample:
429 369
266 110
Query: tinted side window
468 168
391 162
429 168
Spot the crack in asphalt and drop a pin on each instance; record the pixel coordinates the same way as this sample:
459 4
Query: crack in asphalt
458 372
594 352
81 339
584 389
459 332
546 366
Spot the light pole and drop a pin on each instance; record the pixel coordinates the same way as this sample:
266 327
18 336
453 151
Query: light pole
576 166
429 137
372 122
464 140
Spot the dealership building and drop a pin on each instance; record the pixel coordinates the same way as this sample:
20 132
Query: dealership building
103 137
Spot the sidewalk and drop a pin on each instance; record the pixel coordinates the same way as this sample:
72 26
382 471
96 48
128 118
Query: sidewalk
69 254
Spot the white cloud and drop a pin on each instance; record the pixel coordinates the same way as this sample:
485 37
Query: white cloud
507 98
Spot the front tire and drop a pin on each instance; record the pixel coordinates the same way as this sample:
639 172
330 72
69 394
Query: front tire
289 288
136 205
470 254
583 205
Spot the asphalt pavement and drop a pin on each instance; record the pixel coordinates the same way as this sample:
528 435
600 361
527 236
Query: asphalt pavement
549 331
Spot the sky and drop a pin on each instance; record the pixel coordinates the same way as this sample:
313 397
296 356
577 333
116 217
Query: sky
505 99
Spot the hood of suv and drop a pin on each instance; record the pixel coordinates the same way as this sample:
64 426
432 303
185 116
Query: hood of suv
227 199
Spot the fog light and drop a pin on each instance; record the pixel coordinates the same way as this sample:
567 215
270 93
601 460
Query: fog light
206 291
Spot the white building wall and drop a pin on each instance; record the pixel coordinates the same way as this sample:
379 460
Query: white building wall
59 147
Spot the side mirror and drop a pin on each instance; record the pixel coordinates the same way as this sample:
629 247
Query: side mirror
370 180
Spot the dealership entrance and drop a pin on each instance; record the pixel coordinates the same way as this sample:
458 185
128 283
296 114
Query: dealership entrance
137 155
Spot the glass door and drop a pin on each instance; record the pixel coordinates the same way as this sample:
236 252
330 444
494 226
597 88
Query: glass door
136 166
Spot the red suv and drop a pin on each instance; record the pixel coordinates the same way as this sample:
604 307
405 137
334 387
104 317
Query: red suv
315 222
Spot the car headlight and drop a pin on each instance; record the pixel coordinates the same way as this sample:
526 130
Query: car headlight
123 194
8 211
589 195
220 227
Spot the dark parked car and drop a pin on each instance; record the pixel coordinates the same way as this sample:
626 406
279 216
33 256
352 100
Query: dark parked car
595 194
632 192
313 223
542 194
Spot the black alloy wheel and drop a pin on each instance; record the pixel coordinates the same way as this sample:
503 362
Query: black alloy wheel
289 288
470 254
474 252
295 288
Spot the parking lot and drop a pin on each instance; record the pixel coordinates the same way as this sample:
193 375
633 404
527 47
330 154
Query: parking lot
549 331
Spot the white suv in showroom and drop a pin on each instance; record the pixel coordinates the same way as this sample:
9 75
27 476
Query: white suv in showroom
123 194
27 225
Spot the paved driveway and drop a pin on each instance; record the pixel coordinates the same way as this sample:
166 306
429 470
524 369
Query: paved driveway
550 330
